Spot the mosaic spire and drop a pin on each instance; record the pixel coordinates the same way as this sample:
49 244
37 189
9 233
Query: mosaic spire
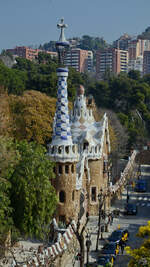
62 132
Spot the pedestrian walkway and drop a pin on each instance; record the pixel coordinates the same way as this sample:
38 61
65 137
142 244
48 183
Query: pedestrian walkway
93 228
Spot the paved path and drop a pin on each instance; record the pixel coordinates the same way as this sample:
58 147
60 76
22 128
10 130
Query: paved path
142 200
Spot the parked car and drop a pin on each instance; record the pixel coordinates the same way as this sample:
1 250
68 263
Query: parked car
104 260
110 248
130 209
141 185
119 234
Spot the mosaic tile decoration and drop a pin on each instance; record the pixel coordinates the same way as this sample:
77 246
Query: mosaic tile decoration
62 125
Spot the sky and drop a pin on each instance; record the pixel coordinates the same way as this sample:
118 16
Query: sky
33 22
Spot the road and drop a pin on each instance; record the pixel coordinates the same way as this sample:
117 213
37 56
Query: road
131 222
142 200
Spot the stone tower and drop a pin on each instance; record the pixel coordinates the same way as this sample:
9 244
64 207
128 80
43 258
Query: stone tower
62 150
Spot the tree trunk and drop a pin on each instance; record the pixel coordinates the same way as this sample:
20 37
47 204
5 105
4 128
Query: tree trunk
81 242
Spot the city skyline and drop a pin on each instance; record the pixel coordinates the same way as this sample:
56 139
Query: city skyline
34 22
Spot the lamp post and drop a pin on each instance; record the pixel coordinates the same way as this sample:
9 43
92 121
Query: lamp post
88 244
100 199
127 193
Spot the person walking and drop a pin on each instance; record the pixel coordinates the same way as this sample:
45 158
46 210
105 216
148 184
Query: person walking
122 245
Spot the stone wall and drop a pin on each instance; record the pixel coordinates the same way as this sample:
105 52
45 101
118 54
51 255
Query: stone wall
66 183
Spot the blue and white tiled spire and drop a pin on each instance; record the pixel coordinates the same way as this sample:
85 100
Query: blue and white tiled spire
62 132
62 148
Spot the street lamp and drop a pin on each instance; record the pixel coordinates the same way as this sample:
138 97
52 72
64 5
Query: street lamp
100 199
127 193
88 244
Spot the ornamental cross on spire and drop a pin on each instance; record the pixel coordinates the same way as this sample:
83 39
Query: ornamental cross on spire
62 26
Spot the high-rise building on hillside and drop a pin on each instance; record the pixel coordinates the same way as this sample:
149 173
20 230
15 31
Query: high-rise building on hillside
122 42
28 53
134 49
114 60
136 64
81 60
146 62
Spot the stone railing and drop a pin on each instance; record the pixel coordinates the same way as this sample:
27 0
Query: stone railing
124 174
45 255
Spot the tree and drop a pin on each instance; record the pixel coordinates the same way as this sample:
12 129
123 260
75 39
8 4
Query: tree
134 74
8 159
141 255
79 232
32 116
33 198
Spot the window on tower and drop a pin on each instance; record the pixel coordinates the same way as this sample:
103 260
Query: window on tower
62 196
73 195
93 194
60 169
72 168
66 168
67 149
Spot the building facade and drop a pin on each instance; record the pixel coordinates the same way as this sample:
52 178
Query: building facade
79 59
112 60
146 62
80 148
28 53
123 42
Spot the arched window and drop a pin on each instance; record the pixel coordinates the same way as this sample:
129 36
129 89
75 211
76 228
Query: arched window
60 169
60 149
85 145
52 151
62 196
66 168
67 149
73 195
72 168
93 194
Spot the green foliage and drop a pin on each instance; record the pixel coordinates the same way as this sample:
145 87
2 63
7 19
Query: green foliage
145 35
128 96
27 198
85 42
8 159
134 74
32 196
12 80
92 43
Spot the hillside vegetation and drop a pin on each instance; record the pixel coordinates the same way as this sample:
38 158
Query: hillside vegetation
128 95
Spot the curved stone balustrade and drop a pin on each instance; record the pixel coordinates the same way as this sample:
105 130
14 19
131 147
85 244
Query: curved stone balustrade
44 255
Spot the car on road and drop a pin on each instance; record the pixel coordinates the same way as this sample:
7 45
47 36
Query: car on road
105 260
118 234
141 185
130 209
110 248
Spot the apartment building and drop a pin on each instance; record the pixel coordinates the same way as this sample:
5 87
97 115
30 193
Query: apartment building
123 42
146 62
28 53
112 59
136 64
81 60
